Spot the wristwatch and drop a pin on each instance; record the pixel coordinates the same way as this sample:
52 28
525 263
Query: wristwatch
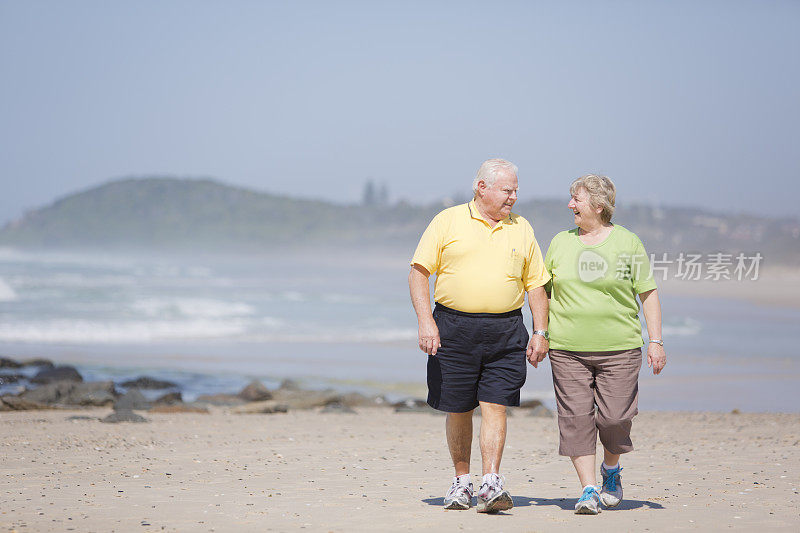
542 332
657 341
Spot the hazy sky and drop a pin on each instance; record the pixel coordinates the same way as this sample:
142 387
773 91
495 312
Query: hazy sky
679 102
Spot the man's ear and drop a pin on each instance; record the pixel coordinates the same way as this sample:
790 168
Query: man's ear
481 187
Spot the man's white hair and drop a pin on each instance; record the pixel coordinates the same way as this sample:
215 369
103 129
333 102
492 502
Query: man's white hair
488 172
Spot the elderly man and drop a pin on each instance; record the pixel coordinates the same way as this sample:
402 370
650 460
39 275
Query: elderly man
485 259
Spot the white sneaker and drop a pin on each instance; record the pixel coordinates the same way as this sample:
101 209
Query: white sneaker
589 502
459 497
492 497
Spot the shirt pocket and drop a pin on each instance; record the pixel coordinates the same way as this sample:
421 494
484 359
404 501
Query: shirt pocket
516 263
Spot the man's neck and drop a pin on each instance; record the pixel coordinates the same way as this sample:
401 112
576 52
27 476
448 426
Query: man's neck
484 215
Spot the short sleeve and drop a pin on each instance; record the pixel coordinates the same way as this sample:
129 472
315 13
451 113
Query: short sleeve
548 265
535 274
641 272
429 248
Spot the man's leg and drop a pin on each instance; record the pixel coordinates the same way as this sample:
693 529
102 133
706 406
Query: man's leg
493 436
492 497
459 440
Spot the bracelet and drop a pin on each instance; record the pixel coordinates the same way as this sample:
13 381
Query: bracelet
657 341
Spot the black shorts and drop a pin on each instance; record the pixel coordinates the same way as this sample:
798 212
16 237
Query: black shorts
482 359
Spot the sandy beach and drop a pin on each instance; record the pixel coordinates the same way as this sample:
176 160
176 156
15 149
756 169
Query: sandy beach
379 470
776 287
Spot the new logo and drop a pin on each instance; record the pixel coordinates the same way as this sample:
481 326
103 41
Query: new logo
591 266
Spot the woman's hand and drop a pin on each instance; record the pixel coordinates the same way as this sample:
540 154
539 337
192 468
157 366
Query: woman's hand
656 357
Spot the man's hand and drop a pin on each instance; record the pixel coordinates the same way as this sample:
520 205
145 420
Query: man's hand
656 357
421 300
429 336
537 350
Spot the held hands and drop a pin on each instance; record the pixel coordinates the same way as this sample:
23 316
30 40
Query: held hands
429 337
656 357
537 350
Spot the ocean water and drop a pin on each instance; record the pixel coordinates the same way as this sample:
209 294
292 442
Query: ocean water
336 318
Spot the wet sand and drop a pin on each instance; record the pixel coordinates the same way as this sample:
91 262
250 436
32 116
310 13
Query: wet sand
380 471
776 287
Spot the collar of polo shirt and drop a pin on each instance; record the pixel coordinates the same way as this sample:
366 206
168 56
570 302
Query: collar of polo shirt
474 213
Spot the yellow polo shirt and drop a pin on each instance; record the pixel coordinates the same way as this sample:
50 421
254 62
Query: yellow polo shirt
479 268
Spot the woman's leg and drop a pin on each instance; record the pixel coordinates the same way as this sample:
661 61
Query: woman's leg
610 459
584 466
617 397
573 381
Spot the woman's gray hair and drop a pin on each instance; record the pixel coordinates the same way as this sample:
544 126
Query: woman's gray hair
602 193
488 172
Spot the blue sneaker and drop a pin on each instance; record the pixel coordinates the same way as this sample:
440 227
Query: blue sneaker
611 493
589 503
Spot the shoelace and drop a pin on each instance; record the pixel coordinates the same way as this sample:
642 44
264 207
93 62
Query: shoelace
610 482
456 488
495 484
588 494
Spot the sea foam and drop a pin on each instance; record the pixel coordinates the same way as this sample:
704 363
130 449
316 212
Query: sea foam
191 307
7 294
92 332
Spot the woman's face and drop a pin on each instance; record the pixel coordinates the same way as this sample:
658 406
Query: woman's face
581 206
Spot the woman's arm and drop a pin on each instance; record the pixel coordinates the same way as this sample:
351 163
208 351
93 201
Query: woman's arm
651 306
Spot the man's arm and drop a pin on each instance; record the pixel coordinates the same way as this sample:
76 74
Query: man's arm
538 345
421 300
651 305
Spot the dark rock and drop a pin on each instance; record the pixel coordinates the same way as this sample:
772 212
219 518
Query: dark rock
124 415
289 384
170 398
148 383
15 403
42 363
536 408
133 399
224 400
58 373
305 399
356 399
51 393
95 394
9 363
413 405
179 408
337 407
255 392
541 411
6 379
265 407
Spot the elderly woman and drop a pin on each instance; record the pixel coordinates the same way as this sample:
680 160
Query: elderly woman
597 271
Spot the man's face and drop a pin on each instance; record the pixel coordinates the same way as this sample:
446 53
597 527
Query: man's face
497 200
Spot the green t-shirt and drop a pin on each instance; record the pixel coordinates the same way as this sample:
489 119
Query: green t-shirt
593 290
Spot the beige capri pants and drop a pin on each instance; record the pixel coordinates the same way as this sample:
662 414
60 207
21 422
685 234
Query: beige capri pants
583 380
